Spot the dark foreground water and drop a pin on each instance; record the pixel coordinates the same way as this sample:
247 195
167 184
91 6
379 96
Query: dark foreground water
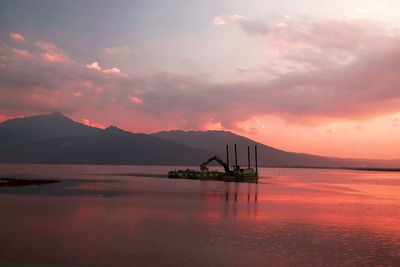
292 217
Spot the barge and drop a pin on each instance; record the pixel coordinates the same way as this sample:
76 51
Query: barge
234 174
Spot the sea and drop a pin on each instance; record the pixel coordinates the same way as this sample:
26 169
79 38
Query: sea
135 216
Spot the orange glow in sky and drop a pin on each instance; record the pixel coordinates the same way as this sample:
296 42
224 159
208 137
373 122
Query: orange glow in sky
371 138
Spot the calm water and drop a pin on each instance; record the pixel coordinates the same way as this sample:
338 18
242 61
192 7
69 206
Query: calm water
292 217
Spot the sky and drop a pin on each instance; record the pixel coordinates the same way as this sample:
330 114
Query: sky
319 77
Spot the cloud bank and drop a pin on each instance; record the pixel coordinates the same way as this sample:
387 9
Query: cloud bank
345 69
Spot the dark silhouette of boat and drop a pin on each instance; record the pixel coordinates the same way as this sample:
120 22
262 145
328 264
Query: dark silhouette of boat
236 174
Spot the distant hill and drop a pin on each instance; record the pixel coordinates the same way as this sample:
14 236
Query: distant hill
54 138
42 127
267 156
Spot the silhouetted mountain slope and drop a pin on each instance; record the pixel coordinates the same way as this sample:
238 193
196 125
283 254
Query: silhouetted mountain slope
109 146
8 138
43 127
267 156
55 138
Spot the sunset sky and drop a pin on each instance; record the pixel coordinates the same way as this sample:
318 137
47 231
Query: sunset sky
320 77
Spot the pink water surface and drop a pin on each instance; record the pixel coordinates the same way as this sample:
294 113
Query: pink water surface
292 217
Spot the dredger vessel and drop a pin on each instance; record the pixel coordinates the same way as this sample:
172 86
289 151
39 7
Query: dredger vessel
236 174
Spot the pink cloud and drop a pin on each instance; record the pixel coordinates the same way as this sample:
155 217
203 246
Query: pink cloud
17 36
136 100
92 124
94 65
218 21
55 57
53 53
47 46
125 50
77 94
306 35
112 70
5 117
40 97
212 125
23 53
226 19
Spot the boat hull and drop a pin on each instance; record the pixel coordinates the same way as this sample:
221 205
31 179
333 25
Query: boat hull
213 175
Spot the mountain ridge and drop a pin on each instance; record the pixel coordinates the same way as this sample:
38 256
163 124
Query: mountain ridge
41 127
88 145
268 156
55 138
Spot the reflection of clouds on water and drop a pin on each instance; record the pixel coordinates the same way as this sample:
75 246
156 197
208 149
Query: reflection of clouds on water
299 216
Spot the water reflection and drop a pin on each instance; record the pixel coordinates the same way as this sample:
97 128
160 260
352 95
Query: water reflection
296 218
229 192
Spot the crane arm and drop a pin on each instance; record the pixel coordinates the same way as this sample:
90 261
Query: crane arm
220 161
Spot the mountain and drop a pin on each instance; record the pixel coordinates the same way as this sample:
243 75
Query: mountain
267 156
43 127
9 138
55 138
